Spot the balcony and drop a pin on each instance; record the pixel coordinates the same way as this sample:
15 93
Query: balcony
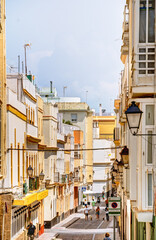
124 53
125 35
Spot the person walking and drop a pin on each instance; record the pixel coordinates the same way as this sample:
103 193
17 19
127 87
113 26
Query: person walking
31 231
97 212
107 237
86 212
106 202
107 214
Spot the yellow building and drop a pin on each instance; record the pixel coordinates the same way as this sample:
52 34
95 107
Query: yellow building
2 91
106 125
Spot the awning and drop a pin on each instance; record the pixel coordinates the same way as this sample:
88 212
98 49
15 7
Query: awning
88 192
27 200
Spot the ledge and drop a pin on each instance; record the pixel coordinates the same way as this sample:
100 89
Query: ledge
33 139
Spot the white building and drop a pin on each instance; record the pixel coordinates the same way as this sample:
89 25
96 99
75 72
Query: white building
22 133
101 166
50 139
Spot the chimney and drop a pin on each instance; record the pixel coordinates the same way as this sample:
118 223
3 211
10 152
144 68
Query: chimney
51 86
100 109
19 64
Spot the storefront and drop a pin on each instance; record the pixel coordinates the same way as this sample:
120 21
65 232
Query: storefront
29 208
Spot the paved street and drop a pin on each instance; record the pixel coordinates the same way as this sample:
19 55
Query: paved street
76 228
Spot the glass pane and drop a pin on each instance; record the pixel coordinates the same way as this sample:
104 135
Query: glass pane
149 114
142 65
133 120
149 189
151 49
150 71
149 149
151 21
151 57
142 71
151 65
142 50
74 117
142 23
142 57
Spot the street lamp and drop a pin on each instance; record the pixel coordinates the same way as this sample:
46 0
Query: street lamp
133 116
30 171
41 176
125 156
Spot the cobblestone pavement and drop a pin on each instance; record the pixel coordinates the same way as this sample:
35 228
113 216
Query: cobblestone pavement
76 228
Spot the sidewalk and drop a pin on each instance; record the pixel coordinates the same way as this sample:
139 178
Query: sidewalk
75 227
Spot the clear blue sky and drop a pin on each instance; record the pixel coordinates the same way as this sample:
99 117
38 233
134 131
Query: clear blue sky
75 43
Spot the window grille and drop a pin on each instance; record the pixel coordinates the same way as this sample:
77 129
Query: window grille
147 60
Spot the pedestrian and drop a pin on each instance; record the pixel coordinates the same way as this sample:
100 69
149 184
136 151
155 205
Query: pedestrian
86 211
31 231
93 204
107 237
106 202
97 212
103 194
107 214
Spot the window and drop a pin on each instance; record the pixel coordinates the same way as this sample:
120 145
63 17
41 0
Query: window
149 114
147 60
142 23
95 125
74 117
149 148
147 21
150 195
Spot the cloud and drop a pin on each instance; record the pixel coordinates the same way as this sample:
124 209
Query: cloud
35 57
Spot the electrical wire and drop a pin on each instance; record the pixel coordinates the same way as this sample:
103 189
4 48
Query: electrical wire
64 150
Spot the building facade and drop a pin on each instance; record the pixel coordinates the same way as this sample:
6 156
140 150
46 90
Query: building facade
103 127
22 194
80 115
137 183
50 155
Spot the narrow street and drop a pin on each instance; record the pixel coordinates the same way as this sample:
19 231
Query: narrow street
76 228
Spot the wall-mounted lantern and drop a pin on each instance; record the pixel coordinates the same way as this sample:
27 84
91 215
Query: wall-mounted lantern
133 116
30 171
41 176
125 155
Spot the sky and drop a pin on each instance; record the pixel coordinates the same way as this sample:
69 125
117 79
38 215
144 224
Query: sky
74 43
